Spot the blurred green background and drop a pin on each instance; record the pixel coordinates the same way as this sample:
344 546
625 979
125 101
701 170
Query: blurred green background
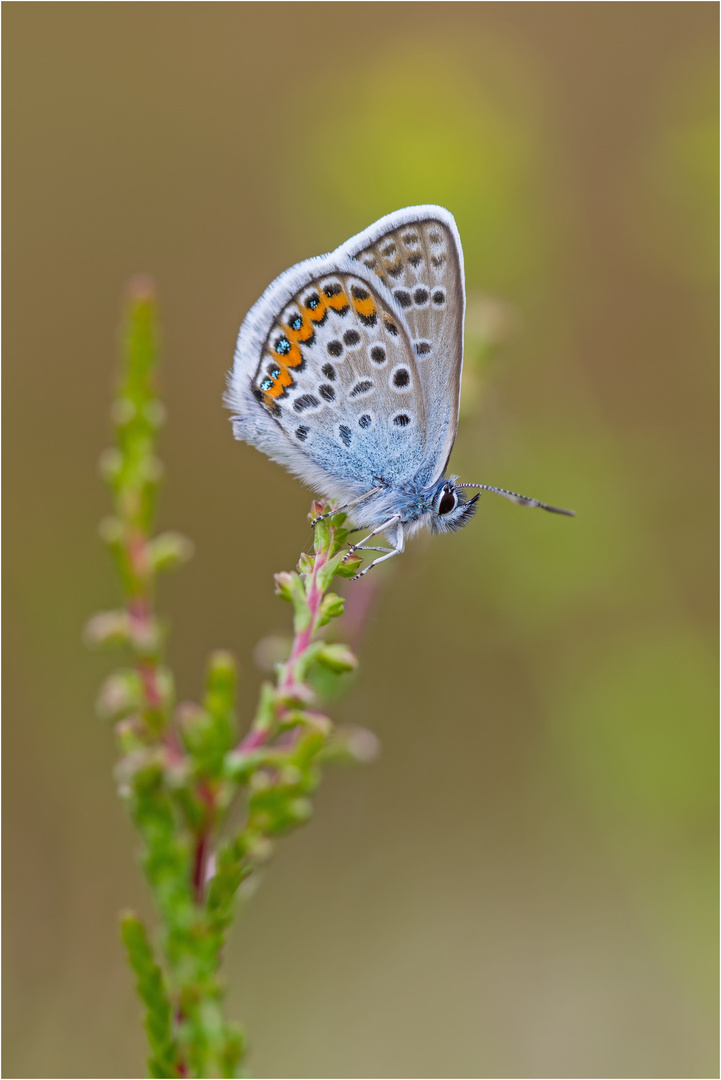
525 882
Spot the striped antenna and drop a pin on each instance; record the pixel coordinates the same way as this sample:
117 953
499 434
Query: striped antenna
521 500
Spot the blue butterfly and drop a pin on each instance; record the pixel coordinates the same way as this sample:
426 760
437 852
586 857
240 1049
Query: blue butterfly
348 372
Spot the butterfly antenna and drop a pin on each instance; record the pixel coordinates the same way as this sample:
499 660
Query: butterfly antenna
521 500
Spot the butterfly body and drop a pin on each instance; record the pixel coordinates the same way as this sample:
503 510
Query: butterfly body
347 371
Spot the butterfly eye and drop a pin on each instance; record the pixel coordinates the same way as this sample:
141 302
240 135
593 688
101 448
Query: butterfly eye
449 501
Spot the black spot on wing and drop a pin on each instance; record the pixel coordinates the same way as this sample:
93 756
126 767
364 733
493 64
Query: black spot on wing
362 387
305 401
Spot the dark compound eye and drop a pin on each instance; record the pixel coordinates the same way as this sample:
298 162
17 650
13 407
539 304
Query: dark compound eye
448 502
282 346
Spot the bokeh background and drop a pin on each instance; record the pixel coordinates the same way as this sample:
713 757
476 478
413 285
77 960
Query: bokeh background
525 882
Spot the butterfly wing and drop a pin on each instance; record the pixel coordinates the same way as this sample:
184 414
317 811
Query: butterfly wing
417 254
325 379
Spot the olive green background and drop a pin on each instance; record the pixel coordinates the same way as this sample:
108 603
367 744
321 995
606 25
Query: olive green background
525 882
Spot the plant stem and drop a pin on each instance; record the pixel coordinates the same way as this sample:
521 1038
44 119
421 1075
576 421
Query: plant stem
182 768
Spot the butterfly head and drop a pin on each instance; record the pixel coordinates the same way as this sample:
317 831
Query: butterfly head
451 510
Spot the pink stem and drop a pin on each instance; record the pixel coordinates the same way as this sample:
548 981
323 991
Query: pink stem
202 844
301 641
304 638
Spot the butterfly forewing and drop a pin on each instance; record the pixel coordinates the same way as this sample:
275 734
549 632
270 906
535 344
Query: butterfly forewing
338 374
417 255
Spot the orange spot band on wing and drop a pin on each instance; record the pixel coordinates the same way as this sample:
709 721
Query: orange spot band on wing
291 359
339 302
318 313
366 308
280 384
303 334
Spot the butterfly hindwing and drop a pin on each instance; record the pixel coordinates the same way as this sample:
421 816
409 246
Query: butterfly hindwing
326 381
417 254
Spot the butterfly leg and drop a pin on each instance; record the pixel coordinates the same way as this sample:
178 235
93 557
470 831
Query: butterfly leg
340 509
399 544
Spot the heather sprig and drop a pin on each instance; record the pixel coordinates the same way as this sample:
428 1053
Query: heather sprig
182 765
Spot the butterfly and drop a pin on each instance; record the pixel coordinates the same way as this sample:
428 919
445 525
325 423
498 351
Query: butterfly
347 371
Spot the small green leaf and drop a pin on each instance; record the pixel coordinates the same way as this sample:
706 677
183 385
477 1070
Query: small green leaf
153 993
286 585
322 533
337 657
169 550
304 663
305 564
234 1048
331 607
326 572
131 735
111 531
111 466
351 746
121 695
267 715
302 717
222 676
350 566
108 628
